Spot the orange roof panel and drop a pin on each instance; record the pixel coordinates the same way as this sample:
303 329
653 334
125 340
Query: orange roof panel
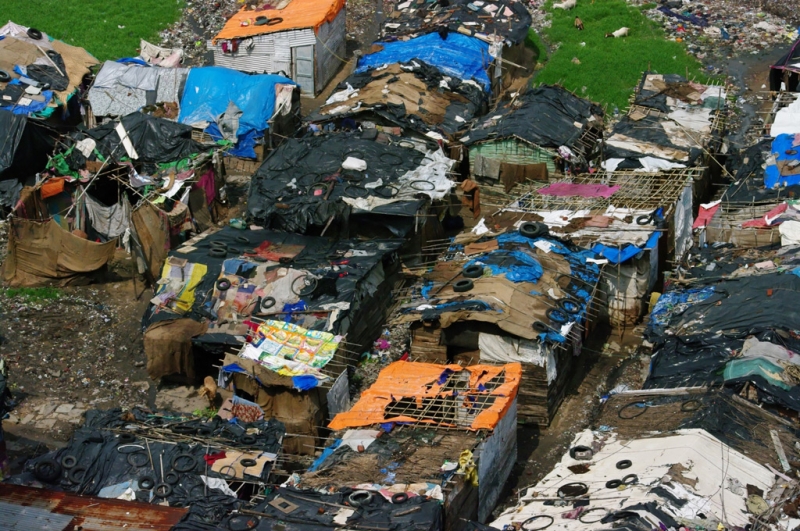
433 388
298 14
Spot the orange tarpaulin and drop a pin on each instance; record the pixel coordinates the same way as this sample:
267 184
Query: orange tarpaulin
298 14
420 381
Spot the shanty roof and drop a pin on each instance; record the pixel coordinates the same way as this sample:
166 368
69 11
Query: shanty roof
414 95
508 19
472 398
18 49
675 480
296 14
548 116
120 89
36 508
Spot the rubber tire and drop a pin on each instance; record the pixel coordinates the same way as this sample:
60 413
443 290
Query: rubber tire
399 497
532 518
646 219
218 252
218 243
75 472
183 429
622 465
167 488
613 484
132 460
243 239
355 498
267 303
184 468
533 229
634 479
686 409
146 482
171 478
261 21
556 311
575 449
126 438
204 432
5 77
463 285
43 474
585 487
34 34
68 462
473 271
223 284
540 327
566 302
248 440
247 463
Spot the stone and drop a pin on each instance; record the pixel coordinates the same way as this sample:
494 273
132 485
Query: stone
46 424
64 408
27 418
47 409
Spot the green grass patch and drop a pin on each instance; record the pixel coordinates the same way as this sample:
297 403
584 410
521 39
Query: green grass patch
535 43
94 24
33 294
610 68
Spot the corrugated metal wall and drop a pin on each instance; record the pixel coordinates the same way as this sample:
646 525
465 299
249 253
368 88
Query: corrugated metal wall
331 44
511 151
270 53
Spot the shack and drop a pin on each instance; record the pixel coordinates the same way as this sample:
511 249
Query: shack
444 432
370 184
544 131
518 296
25 146
120 89
785 73
303 39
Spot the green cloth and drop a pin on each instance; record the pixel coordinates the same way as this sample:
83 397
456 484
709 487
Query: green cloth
758 366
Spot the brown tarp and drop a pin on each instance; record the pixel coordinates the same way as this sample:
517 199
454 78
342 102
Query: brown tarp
151 232
42 253
301 412
513 174
168 347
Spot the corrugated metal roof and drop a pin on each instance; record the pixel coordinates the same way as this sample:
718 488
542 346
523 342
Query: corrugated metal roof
87 513
17 517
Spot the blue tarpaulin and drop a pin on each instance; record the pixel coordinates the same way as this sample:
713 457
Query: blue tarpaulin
784 150
675 302
458 56
209 90
618 256
515 265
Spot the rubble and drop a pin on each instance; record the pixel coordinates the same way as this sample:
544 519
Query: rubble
199 22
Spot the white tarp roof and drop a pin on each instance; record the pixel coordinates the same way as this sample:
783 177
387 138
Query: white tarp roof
121 89
787 120
715 485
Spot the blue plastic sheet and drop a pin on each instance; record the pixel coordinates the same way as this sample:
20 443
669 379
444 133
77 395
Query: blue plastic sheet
34 107
674 302
523 267
209 90
326 453
780 146
618 256
245 144
304 382
458 56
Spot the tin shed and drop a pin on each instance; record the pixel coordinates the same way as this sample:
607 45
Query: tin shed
304 39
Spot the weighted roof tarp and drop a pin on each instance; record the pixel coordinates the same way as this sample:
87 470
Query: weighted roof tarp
298 14
463 57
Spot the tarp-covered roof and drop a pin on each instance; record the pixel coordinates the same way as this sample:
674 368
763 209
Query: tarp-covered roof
424 383
414 95
155 140
791 60
19 49
547 116
304 183
465 58
120 89
11 129
210 90
414 17
298 14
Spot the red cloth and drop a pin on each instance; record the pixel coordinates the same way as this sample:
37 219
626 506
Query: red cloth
767 220
212 458
207 184
704 216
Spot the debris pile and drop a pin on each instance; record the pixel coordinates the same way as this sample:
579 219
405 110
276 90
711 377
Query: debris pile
199 22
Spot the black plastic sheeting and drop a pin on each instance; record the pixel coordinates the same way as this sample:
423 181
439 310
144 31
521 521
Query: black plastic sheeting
648 130
514 28
474 100
791 57
658 99
103 460
748 176
48 74
693 349
282 190
544 116
24 146
313 511
156 140
322 257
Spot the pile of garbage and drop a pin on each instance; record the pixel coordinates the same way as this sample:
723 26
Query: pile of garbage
200 21
720 28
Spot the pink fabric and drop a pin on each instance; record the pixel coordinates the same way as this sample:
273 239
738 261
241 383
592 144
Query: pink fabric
206 182
704 216
582 190
767 220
